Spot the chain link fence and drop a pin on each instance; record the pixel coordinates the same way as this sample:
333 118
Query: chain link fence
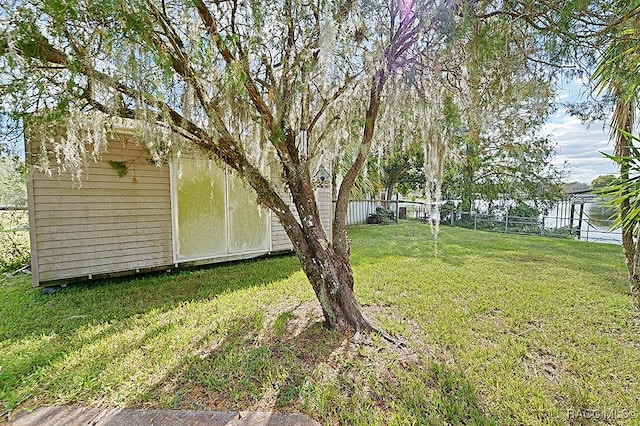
580 226
584 227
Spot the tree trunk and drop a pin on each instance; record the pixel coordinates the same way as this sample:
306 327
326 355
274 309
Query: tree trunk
329 272
467 184
633 266
388 197
331 277
634 282
630 249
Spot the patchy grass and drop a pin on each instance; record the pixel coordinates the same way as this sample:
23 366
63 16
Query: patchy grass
500 329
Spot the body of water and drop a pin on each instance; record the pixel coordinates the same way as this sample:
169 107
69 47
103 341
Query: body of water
596 224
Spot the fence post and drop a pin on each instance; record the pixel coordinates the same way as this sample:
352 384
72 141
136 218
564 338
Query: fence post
506 223
580 220
453 213
475 221
542 227
588 226
573 210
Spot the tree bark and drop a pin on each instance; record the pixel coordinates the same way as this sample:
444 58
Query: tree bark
624 114
632 257
634 282
340 240
331 277
328 271
630 248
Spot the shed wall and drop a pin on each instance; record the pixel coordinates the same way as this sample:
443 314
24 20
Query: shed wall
280 240
108 225
104 224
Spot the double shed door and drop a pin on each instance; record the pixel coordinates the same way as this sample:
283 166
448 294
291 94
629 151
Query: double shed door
215 214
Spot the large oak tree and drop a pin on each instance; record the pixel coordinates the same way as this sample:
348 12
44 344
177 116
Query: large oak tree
251 81
244 81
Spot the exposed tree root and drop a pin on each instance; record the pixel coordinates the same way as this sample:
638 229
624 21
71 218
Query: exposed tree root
388 337
366 327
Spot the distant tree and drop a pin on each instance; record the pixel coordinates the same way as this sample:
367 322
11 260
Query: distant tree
572 187
13 176
13 171
519 171
602 181
400 170
495 118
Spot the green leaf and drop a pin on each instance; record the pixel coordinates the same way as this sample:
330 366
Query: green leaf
120 167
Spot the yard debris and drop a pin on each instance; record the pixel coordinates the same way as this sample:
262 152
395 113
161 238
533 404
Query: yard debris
23 270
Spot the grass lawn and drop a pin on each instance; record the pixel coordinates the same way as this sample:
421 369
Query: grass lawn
500 329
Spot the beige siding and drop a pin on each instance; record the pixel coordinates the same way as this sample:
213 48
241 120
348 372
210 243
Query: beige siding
323 197
104 224
279 238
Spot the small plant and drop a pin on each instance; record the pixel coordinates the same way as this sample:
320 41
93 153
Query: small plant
382 216
524 210
120 167
14 241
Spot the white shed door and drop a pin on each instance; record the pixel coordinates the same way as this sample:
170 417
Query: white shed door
248 222
215 214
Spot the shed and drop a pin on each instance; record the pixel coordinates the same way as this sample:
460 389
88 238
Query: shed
188 212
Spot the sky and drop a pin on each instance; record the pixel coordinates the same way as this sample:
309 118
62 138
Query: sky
579 144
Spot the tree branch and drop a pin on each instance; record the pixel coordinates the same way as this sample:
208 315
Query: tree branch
223 147
326 102
252 90
342 202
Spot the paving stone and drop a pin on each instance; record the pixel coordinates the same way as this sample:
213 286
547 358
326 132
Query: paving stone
65 415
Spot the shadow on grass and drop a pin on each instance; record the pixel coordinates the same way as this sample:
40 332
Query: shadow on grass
29 312
292 363
204 353
57 345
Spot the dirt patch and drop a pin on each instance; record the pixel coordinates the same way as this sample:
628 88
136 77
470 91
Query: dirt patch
540 362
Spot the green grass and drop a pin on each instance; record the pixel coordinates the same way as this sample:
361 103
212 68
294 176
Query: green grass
500 329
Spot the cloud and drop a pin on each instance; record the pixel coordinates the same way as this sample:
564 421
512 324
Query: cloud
580 146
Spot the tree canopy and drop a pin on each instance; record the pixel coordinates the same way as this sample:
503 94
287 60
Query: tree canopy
286 86
245 82
617 74
602 181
